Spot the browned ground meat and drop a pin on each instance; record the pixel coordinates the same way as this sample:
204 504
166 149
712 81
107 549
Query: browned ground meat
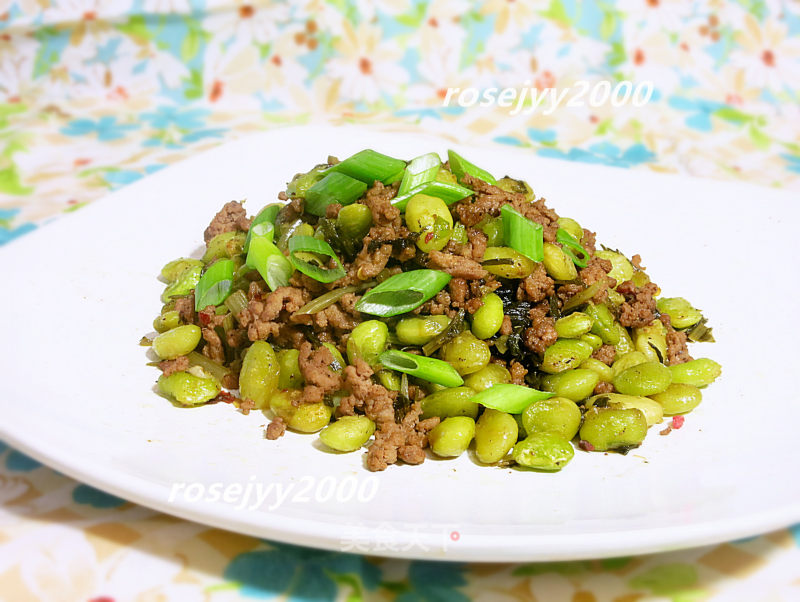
597 270
639 308
536 287
185 308
589 241
458 291
677 349
506 328
179 364
457 266
488 200
375 400
636 261
518 372
231 217
332 210
404 441
276 428
315 366
478 242
473 305
369 264
540 213
603 387
542 331
268 315
606 354
378 200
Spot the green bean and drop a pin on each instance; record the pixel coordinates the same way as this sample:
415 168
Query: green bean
452 436
178 341
418 331
466 353
183 285
225 245
354 221
652 410
571 226
574 325
495 435
606 429
680 311
604 324
574 384
493 229
698 373
652 341
627 360
167 321
430 217
487 377
258 379
555 415
564 354
289 376
172 271
595 341
558 264
621 268
488 319
625 343
188 389
507 263
348 433
604 370
389 379
455 401
543 451
678 399
367 341
643 379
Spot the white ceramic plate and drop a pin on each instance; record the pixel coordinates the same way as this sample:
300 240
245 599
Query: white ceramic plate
80 294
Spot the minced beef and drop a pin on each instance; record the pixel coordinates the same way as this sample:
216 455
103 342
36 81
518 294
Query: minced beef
487 201
275 429
230 218
677 349
185 308
378 200
315 366
518 372
457 266
639 308
540 213
542 331
170 367
536 287
588 241
597 270
603 387
605 353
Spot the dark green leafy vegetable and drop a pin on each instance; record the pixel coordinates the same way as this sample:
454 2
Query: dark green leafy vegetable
522 234
461 167
333 188
402 292
368 166
426 368
312 268
572 248
215 284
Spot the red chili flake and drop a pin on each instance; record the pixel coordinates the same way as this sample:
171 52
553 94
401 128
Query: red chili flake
677 422
205 318
225 397
429 237
585 445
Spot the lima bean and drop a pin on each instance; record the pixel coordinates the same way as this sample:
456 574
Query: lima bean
466 353
430 217
643 379
571 226
625 343
574 384
455 401
172 271
348 433
354 221
452 436
225 245
167 321
488 319
184 284
564 354
495 434
574 326
679 398
557 415
258 379
178 341
367 341
651 340
520 266
595 341
487 377
543 451
621 268
290 376
188 389
558 264
604 324
418 331
604 370
627 360
606 429
653 412
698 373
493 229
681 313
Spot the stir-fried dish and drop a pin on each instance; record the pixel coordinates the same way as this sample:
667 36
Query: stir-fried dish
395 306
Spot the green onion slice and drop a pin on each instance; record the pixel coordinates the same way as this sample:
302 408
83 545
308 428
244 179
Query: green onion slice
368 166
461 167
214 285
449 193
572 248
426 368
313 269
522 234
402 292
263 224
509 398
421 170
265 257
333 188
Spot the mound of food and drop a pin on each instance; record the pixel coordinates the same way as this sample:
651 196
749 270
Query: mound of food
411 305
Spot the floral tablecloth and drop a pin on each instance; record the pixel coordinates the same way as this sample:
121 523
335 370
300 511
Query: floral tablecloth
96 94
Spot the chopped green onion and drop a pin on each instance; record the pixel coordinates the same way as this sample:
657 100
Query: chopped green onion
265 257
522 234
208 365
237 302
263 223
402 292
421 170
582 297
326 300
214 285
572 248
368 166
506 397
426 368
309 244
449 193
333 188
461 167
